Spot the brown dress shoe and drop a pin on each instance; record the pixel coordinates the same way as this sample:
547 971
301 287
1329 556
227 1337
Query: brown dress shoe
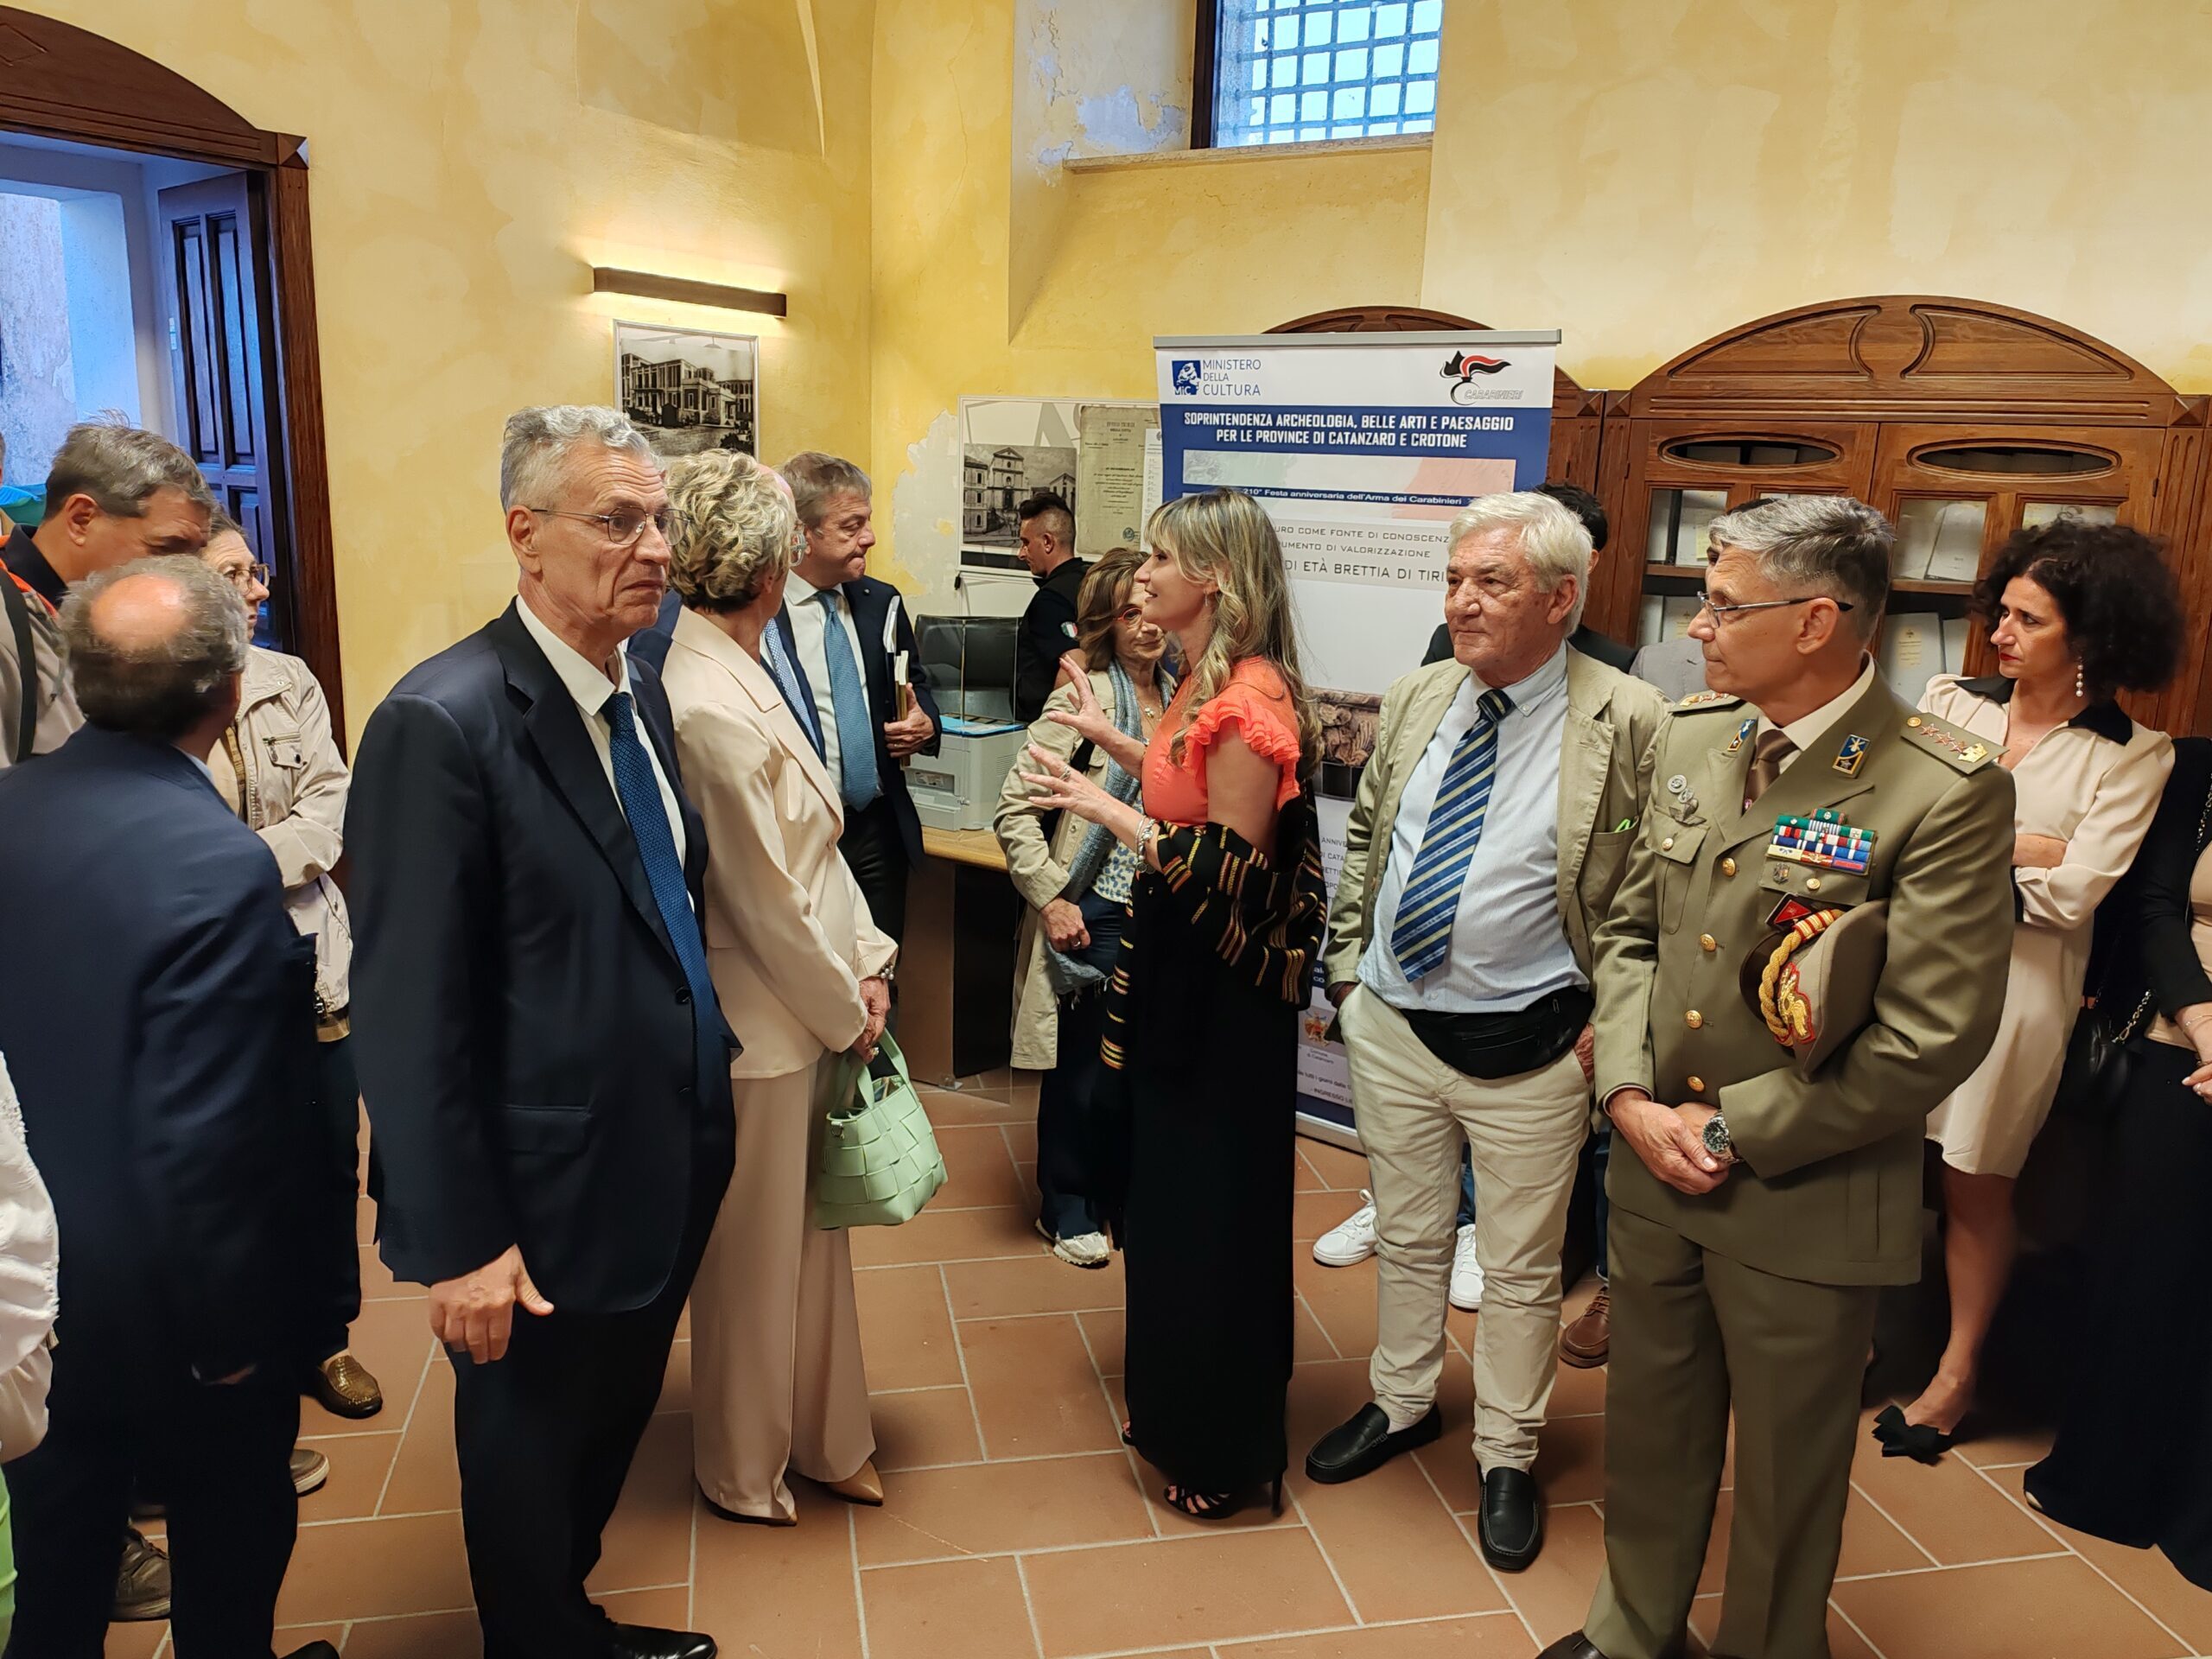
1590 1338
142 1581
863 1486
343 1386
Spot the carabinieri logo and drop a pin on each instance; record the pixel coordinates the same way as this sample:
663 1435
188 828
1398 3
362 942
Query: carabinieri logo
1462 366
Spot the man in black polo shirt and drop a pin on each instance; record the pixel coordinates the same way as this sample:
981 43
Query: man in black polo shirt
1048 625
113 494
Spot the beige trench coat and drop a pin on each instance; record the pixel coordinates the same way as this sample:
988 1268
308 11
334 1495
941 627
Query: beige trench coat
293 795
1041 873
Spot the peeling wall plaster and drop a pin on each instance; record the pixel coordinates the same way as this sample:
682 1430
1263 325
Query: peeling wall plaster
1111 79
925 512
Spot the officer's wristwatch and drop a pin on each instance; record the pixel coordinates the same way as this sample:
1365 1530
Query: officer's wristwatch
1717 1140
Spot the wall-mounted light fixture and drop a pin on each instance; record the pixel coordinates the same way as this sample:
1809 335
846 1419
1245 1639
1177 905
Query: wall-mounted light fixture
605 279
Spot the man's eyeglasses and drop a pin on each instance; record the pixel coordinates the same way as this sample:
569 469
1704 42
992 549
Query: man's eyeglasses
1725 614
626 524
246 577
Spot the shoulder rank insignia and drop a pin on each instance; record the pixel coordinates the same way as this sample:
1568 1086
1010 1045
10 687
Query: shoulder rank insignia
1852 756
1954 743
1702 700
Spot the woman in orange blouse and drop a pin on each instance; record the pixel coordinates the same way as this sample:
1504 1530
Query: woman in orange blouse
1201 1017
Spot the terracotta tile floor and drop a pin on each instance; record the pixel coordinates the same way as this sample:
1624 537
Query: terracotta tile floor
1018 1528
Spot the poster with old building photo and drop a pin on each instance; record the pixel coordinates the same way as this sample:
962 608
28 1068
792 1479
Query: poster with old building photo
687 389
1010 448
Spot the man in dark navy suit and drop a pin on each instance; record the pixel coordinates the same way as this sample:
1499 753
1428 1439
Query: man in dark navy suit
545 1066
157 1010
834 651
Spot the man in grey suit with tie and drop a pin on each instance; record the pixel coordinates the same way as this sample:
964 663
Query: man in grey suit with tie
1491 828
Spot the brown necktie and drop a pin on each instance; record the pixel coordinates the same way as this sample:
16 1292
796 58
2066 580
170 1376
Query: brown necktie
1773 748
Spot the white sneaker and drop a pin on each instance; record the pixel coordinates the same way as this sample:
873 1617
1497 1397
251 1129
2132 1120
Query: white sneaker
1352 1241
1079 1250
1466 1273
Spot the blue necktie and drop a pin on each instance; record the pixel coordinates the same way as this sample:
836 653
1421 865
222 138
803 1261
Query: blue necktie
848 702
639 794
787 679
1422 936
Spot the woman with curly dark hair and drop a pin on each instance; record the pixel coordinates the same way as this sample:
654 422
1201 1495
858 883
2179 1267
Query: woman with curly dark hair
2077 612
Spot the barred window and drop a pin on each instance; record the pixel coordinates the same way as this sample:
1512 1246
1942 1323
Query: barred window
1287 71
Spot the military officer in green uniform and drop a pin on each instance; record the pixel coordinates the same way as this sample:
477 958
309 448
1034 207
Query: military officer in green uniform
1760 1201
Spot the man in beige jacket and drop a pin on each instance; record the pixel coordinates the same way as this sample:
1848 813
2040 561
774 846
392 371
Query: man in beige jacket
1487 839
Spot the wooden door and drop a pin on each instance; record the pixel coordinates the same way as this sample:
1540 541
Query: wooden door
209 241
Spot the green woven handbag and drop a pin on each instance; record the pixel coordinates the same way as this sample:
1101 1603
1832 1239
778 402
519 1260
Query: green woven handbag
880 1163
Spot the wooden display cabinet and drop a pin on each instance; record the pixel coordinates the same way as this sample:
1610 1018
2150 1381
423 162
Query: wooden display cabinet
1960 420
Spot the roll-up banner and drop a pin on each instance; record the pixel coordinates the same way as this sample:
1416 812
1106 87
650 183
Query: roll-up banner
1361 447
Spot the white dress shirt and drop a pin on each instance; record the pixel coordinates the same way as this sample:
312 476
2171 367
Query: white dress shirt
1806 730
1508 947
808 620
588 684
30 1255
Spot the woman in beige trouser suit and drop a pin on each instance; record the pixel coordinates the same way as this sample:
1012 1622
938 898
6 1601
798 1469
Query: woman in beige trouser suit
777 1379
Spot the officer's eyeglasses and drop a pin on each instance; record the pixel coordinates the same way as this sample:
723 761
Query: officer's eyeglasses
1724 614
246 577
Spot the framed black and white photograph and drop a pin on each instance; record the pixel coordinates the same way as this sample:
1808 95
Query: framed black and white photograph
688 390
1010 448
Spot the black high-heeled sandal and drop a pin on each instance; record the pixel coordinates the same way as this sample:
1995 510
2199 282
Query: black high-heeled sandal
1918 1441
1219 1506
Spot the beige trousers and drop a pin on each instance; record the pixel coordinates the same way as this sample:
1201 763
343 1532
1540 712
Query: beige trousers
777 1377
1526 1133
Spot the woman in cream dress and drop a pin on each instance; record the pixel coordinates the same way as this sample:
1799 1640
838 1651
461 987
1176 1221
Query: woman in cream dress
777 1379
2079 611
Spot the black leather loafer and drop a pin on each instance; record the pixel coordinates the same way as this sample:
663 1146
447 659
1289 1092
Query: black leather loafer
643 1642
1365 1444
1512 1524
1577 1646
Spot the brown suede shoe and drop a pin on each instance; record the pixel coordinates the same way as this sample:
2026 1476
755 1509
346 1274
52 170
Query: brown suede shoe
142 1581
343 1386
1590 1338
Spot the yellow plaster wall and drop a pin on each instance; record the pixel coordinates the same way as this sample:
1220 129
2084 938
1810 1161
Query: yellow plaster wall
1645 176
1063 297
470 160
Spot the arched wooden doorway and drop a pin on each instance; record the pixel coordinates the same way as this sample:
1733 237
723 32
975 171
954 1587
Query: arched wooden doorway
59 81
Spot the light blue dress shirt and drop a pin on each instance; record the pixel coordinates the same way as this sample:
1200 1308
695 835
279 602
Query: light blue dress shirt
1509 948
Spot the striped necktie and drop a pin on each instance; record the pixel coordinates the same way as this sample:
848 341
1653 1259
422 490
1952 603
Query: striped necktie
1422 936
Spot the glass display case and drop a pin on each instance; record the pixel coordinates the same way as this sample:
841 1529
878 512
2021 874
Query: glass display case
1963 420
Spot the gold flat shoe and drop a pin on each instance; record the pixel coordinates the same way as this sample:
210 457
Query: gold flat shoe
863 1486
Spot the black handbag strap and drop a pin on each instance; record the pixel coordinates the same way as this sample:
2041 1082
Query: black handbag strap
27 708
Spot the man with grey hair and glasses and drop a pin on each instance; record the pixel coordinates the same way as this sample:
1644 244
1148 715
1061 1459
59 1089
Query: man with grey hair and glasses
1482 850
1808 952
158 1014
113 493
544 1062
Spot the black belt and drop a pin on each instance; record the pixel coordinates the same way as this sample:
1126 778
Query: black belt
1492 1045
